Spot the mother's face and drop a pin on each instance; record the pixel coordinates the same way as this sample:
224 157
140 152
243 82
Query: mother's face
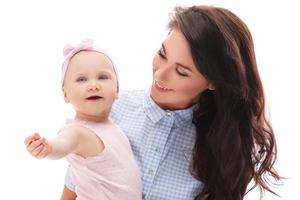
177 84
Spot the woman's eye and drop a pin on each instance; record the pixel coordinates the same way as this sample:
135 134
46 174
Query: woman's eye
102 77
181 73
80 79
161 54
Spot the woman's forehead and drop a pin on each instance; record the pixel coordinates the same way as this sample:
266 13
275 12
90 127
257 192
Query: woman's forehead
177 48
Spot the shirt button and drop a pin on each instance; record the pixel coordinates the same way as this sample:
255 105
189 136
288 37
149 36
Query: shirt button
157 149
150 171
169 114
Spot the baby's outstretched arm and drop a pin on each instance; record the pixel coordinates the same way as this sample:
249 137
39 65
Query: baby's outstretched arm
37 146
66 142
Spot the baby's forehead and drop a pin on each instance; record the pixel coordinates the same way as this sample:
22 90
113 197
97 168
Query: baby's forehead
91 55
84 60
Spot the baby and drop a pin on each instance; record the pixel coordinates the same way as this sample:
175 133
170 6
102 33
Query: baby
101 161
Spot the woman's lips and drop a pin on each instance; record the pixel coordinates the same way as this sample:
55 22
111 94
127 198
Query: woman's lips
161 88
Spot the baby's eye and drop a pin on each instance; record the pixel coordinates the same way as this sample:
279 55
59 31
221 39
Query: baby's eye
80 79
101 77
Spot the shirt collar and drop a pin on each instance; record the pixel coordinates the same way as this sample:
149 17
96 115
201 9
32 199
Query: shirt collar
155 113
152 110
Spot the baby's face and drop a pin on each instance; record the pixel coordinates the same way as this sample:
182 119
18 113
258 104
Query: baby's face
90 84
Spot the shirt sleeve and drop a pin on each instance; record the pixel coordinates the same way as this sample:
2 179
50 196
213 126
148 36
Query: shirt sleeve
68 182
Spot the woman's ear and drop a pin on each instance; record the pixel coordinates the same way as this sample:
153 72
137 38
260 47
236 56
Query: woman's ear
65 95
211 86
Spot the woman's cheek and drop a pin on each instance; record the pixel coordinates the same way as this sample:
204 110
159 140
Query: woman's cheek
155 63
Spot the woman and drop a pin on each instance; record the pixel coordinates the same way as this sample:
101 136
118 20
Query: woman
201 133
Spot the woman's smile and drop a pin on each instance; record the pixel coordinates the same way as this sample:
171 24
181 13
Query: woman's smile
161 88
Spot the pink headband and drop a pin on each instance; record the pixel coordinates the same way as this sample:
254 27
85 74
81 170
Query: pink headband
85 45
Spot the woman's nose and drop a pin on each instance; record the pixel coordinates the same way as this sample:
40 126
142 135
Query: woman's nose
162 72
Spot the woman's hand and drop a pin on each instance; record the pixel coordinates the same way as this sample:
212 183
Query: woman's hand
68 194
37 147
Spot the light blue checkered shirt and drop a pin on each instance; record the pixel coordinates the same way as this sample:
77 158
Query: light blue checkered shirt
162 143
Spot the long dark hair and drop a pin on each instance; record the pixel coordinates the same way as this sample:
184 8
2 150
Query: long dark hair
235 143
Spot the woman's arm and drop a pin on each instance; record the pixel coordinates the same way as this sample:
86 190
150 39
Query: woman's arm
68 194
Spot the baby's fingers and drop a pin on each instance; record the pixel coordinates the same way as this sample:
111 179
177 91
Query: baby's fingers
37 151
28 140
33 145
36 136
44 152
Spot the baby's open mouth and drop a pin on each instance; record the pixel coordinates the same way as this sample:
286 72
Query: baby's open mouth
94 98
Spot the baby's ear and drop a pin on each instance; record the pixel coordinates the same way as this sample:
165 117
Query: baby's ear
117 92
65 95
117 96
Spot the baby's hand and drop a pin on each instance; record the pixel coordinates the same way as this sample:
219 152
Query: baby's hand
37 147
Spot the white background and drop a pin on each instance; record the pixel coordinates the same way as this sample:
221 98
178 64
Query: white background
32 35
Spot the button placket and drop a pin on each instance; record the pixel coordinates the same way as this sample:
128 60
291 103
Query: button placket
155 151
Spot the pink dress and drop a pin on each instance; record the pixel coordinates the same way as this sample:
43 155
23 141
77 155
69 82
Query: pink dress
113 174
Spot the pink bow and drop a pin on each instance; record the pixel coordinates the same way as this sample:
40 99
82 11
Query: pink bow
70 50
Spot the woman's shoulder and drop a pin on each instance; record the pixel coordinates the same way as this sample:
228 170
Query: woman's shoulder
132 93
130 98
128 102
